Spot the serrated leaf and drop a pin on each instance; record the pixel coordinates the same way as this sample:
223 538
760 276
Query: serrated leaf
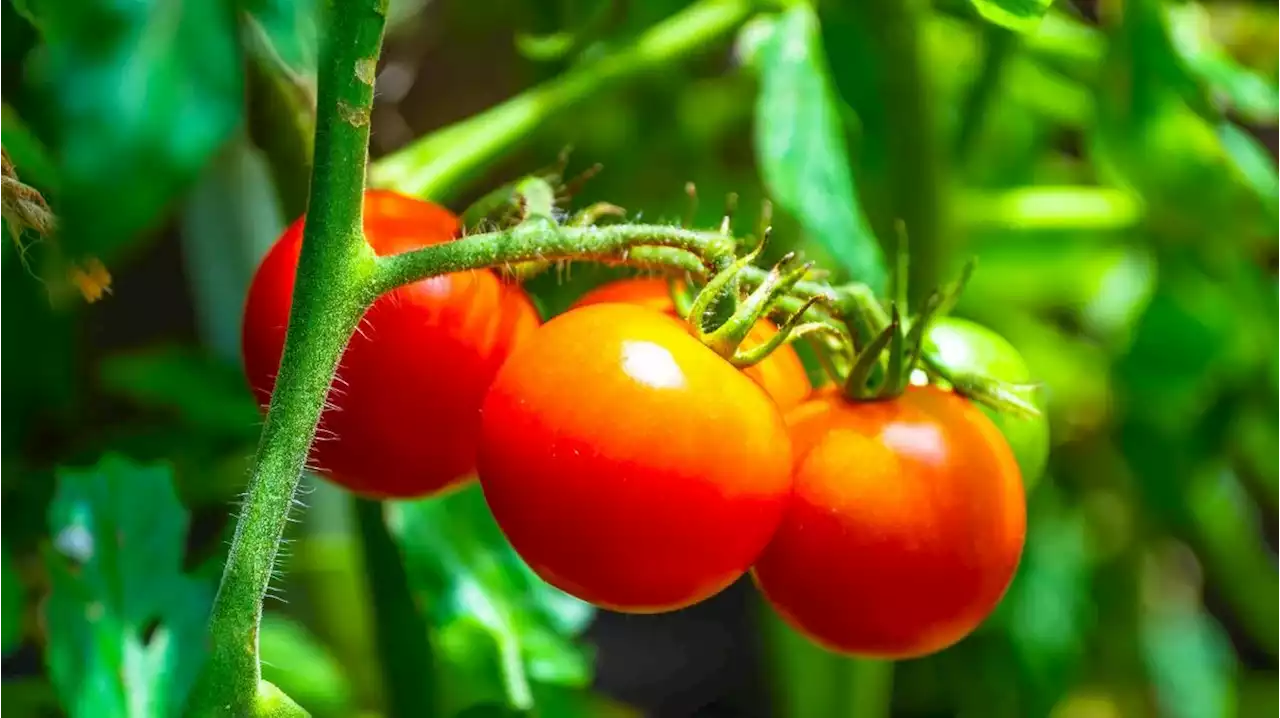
800 142
125 624
498 627
141 95
1016 15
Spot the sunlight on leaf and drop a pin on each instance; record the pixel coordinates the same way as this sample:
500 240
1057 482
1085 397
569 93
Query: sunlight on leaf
800 142
1018 15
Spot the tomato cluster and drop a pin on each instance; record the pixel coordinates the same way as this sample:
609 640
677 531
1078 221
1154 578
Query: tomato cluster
632 466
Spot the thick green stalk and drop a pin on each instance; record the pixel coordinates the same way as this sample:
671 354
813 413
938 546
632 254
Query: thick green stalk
438 163
330 295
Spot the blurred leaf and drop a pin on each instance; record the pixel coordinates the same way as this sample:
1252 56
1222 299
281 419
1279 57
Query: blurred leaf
1255 164
1255 97
800 142
13 598
298 664
1048 612
290 26
201 391
1191 662
1018 15
141 94
126 625
496 625
29 155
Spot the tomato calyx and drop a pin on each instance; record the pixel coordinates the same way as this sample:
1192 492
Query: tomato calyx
722 319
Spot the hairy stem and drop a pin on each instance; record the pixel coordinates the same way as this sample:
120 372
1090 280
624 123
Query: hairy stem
546 241
438 163
330 295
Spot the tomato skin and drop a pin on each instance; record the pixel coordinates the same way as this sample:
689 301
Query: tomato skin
973 348
905 527
404 417
781 374
628 464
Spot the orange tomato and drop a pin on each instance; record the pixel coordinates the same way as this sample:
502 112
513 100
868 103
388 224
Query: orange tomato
905 528
781 374
630 465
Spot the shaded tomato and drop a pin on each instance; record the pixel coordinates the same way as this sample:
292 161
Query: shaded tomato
630 465
972 348
403 416
782 374
905 527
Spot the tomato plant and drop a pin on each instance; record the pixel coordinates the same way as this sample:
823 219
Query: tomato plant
403 414
970 348
629 464
905 527
781 374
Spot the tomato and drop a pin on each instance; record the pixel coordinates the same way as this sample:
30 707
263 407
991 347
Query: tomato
404 414
972 348
905 527
629 464
781 374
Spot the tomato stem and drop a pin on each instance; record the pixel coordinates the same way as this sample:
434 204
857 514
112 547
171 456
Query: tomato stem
332 291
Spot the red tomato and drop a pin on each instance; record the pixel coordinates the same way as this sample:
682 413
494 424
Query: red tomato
404 415
905 528
781 374
628 464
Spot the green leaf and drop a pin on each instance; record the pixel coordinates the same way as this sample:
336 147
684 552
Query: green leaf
140 96
1191 662
202 392
800 143
1016 15
1243 89
13 597
126 625
497 627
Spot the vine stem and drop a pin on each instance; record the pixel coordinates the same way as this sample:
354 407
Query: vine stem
331 293
437 163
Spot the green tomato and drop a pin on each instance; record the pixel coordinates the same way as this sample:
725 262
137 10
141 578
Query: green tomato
971 348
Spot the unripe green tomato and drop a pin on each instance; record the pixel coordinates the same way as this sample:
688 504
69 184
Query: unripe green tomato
971 348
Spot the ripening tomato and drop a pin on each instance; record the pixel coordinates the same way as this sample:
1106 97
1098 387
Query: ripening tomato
781 374
905 526
972 348
404 413
629 464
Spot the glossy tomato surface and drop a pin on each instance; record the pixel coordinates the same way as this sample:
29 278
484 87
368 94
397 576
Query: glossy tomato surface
782 374
972 348
905 528
628 464
404 414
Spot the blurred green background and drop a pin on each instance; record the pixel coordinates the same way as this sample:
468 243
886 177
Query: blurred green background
1112 166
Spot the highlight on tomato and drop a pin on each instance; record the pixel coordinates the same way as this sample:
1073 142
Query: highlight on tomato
403 416
781 374
905 528
970 348
628 463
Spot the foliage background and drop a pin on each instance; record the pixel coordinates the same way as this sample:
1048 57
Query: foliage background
1112 167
